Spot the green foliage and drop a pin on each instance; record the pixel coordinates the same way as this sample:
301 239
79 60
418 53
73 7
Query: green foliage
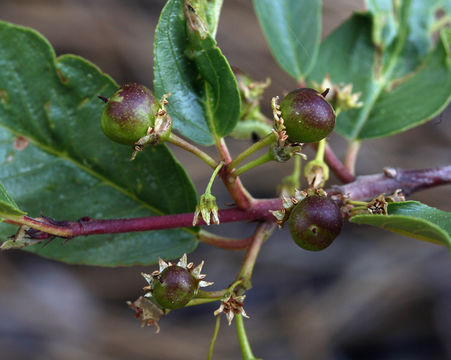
202 109
209 11
292 29
68 169
8 207
413 219
396 95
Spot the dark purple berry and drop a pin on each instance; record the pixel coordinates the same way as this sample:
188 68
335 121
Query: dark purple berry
174 287
315 222
307 116
129 113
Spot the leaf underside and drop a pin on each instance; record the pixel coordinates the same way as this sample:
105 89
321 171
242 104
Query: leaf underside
292 29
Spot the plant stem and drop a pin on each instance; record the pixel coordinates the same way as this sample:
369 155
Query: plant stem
337 166
201 301
213 338
364 188
267 140
263 231
212 178
321 150
441 22
223 242
174 139
246 350
214 295
254 163
351 156
236 189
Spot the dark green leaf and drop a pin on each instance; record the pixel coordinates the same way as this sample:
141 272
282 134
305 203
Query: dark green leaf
391 104
205 101
67 169
222 99
413 219
292 29
412 101
8 206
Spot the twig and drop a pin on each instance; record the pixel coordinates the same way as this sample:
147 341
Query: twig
364 188
336 165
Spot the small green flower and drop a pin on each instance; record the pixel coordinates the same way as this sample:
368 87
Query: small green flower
208 210
207 207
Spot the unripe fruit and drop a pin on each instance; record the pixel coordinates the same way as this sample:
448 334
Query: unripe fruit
174 287
315 222
307 116
129 113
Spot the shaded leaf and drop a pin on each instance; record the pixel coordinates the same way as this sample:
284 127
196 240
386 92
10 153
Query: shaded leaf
205 101
384 21
292 29
69 169
413 219
391 104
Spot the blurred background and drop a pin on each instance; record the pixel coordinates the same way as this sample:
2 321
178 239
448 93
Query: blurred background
371 295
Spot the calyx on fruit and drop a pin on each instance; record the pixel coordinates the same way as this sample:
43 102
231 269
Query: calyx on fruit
173 286
315 222
307 116
129 113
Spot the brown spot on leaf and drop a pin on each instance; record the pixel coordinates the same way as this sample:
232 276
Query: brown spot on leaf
60 75
20 143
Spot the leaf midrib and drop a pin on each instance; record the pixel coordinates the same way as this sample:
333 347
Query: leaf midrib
378 85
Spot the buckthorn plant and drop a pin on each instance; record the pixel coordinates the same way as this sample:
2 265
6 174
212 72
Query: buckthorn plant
89 176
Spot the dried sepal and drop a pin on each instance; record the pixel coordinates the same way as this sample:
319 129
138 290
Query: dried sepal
340 95
148 312
288 203
230 306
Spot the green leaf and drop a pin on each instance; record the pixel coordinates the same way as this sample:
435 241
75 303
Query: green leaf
67 169
292 29
413 219
209 10
205 101
420 22
391 104
384 21
8 207
412 101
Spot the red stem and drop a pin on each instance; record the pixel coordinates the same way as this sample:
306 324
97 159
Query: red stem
364 188
233 184
336 165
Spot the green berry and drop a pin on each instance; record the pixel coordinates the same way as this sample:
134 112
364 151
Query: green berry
174 287
129 113
307 116
315 222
